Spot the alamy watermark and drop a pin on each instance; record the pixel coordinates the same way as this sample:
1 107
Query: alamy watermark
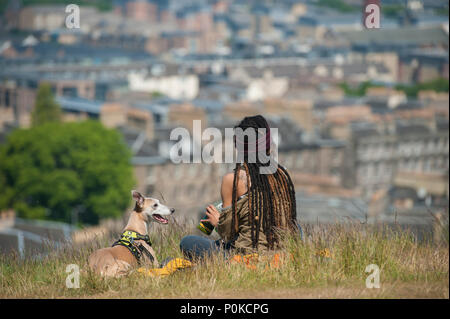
373 280
372 14
250 145
73 279
73 17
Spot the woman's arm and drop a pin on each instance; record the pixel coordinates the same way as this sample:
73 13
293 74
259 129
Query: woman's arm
226 191
227 187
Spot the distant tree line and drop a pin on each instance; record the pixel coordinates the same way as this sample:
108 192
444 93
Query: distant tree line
389 10
411 90
438 85
338 5
392 10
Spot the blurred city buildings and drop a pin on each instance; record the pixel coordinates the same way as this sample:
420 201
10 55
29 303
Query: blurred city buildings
146 67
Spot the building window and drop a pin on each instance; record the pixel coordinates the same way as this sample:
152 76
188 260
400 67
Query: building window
7 98
70 91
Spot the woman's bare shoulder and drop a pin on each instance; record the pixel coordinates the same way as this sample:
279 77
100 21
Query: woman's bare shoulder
227 188
228 178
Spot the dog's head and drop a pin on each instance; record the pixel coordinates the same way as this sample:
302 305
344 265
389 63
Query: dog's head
151 208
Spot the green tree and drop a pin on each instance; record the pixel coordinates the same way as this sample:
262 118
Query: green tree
359 90
156 94
437 85
48 170
393 10
412 90
338 5
46 109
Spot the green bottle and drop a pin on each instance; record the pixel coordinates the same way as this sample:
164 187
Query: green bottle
207 227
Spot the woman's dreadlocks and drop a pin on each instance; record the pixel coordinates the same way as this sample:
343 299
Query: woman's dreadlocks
271 197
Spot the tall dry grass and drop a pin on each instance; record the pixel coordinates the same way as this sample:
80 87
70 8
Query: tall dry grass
403 261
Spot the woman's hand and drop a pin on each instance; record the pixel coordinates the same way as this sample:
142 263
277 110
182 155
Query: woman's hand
213 215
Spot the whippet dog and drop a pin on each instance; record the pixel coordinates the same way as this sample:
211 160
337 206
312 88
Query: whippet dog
134 247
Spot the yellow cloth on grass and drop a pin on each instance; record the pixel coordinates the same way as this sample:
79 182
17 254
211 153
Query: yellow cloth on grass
172 266
250 261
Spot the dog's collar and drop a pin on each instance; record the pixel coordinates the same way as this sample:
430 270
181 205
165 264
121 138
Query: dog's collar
127 240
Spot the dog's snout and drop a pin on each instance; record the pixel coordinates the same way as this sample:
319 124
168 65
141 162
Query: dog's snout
172 210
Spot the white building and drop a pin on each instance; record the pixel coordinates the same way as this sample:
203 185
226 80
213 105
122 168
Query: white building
261 83
167 80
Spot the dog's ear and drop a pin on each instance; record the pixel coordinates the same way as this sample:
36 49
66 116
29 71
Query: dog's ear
138 198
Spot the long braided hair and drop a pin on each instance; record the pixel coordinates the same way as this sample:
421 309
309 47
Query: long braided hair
271 197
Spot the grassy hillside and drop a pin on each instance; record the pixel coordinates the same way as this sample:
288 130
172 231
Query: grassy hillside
408 269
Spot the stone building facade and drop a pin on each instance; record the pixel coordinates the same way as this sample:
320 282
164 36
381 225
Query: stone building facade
16 104
374 159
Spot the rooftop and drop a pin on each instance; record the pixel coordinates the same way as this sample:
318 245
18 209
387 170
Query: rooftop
76 104
401 36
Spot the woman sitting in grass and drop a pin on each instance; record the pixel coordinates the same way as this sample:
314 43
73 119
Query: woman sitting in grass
257 201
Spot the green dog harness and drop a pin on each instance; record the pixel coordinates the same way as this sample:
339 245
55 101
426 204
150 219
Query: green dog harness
128 239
